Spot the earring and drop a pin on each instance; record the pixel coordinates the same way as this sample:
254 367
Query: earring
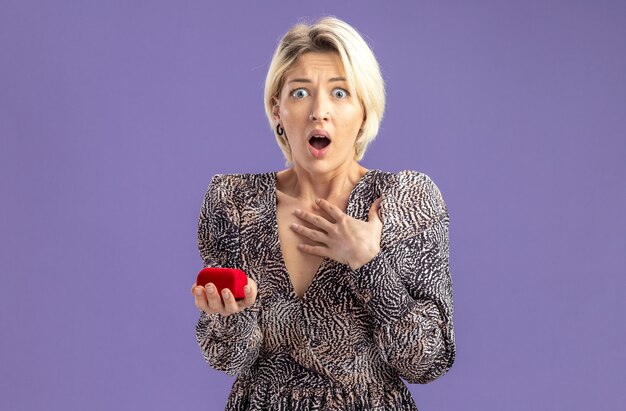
279 130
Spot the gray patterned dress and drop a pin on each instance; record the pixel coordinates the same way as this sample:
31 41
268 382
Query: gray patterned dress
347 342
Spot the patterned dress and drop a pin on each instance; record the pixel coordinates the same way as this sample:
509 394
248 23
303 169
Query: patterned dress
347 342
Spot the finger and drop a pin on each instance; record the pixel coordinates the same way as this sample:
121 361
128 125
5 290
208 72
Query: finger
230 304
249 293
314 250
213 298
373 213
200 298
330 208
316 220
309 233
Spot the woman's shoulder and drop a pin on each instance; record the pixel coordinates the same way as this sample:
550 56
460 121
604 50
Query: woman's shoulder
410 187
241 181
411 203
238 187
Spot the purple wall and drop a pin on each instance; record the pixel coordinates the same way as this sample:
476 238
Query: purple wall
114 115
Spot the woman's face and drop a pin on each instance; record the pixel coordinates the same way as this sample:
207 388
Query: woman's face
317 100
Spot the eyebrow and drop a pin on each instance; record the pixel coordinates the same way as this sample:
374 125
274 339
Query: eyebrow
306 80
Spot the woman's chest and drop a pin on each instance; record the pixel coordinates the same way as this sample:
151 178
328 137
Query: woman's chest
301 267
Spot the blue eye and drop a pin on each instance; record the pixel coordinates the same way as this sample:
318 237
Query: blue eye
299 93
340 93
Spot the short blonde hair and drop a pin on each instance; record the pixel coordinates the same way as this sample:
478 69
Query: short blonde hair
362 72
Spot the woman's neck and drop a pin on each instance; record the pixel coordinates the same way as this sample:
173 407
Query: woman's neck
334 186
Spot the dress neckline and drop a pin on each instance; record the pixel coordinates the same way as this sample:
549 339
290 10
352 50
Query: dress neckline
274 220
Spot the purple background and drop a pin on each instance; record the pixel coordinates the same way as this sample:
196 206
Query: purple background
114 115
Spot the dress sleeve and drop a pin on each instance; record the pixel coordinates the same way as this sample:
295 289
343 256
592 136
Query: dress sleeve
231 343
407 289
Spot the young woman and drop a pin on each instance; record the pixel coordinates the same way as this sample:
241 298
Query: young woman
349 283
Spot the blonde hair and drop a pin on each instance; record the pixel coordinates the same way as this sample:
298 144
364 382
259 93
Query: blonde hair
362 72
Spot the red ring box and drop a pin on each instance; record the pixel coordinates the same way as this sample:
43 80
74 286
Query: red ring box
231 278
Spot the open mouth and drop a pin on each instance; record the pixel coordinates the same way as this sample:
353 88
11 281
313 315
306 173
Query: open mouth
319 142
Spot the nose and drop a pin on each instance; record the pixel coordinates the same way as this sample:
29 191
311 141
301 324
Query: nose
321 109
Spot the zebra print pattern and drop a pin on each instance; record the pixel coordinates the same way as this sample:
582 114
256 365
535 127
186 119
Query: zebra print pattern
345 344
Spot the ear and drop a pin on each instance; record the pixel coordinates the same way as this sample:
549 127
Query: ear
361 128
275 108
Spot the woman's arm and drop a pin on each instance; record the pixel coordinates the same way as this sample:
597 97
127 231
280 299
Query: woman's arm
228 343
408 291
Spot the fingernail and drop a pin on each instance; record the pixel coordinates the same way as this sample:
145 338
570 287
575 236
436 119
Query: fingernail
210 289
197 292
317 201
225 295
294 225
246 289
298 211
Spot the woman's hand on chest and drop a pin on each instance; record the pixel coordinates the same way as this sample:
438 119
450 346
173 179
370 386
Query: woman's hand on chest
342 238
